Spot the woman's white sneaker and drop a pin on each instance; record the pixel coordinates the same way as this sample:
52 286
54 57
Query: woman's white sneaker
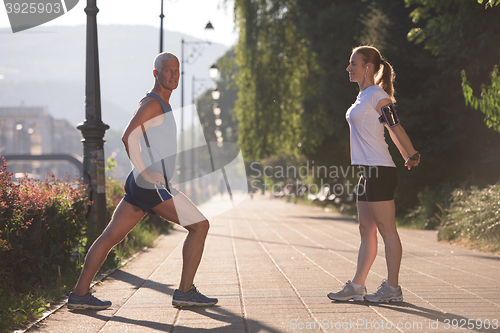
385 293
348 292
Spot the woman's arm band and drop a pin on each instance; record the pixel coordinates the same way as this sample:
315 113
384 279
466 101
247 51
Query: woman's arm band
389 115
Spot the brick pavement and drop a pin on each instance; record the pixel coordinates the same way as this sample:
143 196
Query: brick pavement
272 263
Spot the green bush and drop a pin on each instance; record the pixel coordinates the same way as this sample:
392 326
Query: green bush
40 226
474 217
429 213
43 240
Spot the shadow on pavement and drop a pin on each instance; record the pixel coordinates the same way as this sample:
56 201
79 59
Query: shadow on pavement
235 322
485 255
143 323
138 282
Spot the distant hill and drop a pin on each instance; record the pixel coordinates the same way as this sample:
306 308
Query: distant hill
46 66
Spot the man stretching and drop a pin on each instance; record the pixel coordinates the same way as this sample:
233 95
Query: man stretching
151 143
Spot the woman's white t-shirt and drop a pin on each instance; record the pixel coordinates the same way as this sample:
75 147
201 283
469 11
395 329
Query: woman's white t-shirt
368 146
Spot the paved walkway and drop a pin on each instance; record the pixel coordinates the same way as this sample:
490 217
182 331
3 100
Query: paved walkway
272 263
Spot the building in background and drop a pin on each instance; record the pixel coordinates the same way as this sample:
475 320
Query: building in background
31 130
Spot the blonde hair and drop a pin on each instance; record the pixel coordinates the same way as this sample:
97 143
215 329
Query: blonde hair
383 78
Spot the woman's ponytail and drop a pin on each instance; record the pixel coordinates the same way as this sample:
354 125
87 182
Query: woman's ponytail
386 78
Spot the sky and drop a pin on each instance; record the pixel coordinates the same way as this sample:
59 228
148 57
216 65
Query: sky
185 16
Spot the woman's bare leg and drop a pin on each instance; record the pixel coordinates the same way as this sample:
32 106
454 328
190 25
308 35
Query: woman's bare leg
384 215
368 247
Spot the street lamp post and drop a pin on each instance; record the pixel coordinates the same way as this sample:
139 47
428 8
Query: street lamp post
161 27
212 73
93 128
208 29
194 168
218 122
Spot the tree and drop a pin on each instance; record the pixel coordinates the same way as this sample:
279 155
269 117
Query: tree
274 64
294 90
490 3
489 102
462 36
331 27
468 32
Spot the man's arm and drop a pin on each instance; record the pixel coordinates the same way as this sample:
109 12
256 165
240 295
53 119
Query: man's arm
147 115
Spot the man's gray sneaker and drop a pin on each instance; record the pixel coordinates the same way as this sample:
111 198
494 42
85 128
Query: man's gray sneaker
192 298
348 292
87 302
385 293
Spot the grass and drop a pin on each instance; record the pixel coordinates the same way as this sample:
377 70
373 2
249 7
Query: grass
473 219
16 309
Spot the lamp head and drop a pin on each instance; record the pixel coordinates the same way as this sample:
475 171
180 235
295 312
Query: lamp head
215 94
209 32
213 71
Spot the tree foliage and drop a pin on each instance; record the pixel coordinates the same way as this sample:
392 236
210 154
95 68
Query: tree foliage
293 88
467 31
274 64
489 102
490 3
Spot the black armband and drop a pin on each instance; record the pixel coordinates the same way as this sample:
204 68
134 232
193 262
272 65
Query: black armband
389 115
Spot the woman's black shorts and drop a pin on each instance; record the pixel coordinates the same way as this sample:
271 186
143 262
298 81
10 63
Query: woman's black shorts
377 183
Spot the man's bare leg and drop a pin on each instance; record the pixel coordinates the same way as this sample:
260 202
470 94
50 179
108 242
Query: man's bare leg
182 211
125 218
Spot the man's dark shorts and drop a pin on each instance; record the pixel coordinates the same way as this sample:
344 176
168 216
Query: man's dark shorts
144 198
